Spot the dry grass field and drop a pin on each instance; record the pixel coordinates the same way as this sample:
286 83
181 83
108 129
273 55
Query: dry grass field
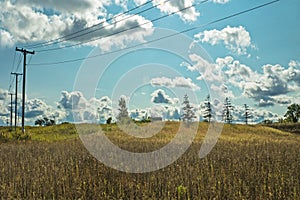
248 162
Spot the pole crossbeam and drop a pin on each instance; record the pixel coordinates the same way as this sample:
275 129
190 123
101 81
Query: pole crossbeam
25 52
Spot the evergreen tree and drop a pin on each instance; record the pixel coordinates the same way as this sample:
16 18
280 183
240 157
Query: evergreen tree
123 111
208 110
247 113
227 116
187 111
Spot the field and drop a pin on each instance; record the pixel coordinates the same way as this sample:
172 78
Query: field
248 162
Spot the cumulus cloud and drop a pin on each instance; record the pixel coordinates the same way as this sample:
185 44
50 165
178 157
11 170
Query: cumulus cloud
166 112
36 109
208 71
294 63
31 21
121 31
139 114
180 82
220 1
6 39
4 106
267 88
236 39
255 115
169 7
160 97
80 109
140 2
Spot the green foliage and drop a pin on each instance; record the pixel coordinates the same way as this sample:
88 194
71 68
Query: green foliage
44 122
293 113
108 121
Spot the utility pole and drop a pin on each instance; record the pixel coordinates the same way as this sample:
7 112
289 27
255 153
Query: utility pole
25 52
16 98
11 110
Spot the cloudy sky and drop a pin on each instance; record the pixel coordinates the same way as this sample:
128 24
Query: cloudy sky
88 53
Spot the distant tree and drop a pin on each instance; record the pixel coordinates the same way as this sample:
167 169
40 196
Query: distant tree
208 110
39 122
280 120
108 121
247 114
45 122
188 114
293 113
227 116
123 111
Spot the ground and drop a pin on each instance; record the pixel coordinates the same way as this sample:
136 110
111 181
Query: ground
248 162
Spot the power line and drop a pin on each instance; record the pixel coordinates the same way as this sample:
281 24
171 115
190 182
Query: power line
128 29
97 29
12 79
16 97
65 37
12 68
158 39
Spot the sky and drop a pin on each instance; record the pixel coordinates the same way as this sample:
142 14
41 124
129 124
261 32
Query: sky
90 53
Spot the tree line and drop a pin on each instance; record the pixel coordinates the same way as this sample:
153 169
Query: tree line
292 114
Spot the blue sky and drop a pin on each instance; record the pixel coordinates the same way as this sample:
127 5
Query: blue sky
252 58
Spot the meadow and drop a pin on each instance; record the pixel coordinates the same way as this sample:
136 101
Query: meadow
248 162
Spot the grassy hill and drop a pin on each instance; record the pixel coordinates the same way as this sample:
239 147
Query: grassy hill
229 132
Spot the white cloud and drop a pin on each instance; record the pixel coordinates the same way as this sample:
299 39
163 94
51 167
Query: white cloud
236 39
255 115
92 110
139 2
267 88
6 39
179 82
169 7
166 112
139 114
208 71
29 21
220 1
80 9
123 34
160 97
294 63
37 109
122 3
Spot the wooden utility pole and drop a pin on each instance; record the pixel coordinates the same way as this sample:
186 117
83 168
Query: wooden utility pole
25 52
16 98
11 110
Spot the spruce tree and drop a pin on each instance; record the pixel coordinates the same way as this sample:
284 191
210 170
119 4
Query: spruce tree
208 110
188 114
123 111
227 116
